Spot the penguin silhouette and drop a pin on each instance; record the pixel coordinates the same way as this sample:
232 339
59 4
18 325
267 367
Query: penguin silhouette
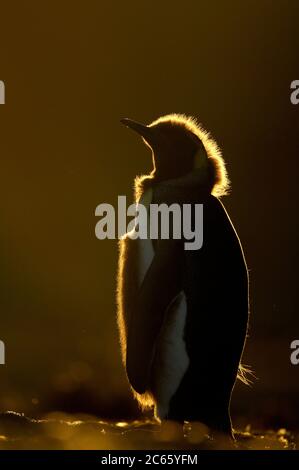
183 314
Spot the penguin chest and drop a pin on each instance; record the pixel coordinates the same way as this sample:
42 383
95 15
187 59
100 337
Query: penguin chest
171 360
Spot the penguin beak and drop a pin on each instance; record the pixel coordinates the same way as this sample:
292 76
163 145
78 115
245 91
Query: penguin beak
144 131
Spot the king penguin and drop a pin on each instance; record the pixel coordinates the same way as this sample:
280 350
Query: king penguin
183 314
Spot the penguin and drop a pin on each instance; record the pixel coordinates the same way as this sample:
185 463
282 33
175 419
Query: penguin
183 314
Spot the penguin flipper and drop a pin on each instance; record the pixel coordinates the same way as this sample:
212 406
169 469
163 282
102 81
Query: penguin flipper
161 284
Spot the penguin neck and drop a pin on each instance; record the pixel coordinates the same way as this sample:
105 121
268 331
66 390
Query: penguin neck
198 179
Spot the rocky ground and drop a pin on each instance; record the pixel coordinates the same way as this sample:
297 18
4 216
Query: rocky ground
60 431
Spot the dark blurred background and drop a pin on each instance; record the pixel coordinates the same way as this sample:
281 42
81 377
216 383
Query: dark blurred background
72 70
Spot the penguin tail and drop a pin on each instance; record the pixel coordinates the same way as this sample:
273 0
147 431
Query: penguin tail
246 374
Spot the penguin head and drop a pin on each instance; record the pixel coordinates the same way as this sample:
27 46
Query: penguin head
179 145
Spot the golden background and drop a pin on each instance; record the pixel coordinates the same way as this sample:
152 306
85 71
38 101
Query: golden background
71 71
